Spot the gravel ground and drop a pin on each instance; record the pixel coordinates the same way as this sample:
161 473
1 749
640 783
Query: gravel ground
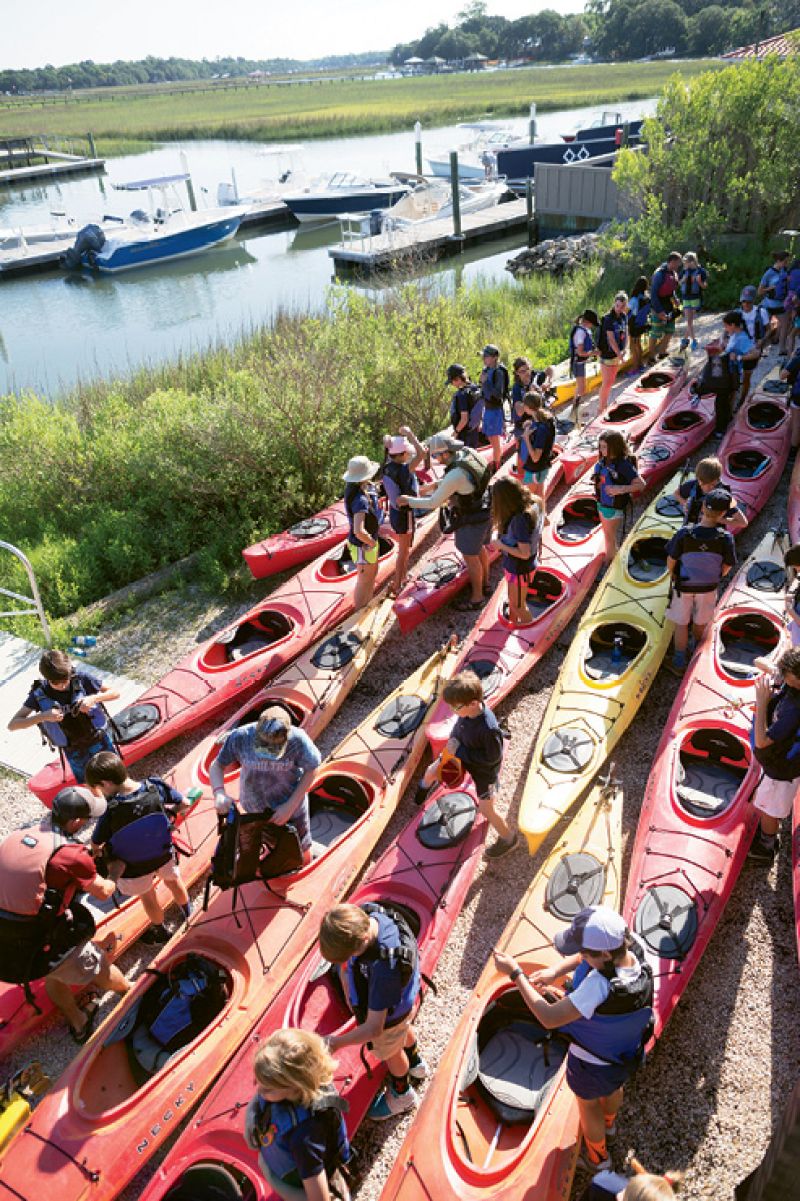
713 1090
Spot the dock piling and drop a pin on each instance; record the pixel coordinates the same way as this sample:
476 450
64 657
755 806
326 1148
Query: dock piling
92 148
529 208
454 182
418 145
532 123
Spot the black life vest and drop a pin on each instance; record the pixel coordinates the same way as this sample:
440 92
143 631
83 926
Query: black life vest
547 455
613 470
495 385
141 832
695 505
702 559
472 393
622 1025
473 507
573 352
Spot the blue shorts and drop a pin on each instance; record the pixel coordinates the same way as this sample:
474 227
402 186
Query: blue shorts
592 1080
470 538
402 521
579 370
609 513
494 423
78 756
535 477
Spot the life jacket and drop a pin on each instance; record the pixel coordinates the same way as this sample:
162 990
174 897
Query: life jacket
781 760
759 325
717 377
665 285
398 480
404 954
547 455
92 721
275 1121
695 505
619 327
621 1026
573 352
474 394
638 321
494 386
36 932
372 517
141 832
690 284
698 567
615 477
470 508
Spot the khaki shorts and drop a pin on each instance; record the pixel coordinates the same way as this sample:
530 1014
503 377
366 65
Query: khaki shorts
136 886
775 797
393 1040
697 607
82 966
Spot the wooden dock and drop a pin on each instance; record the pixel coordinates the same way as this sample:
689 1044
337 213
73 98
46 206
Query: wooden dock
54 166
434 239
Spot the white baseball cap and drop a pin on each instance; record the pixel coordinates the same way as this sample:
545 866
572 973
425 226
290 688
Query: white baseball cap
598 928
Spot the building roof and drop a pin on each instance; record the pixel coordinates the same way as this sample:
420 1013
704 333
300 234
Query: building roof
783 44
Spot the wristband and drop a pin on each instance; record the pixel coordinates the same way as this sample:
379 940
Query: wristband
515 975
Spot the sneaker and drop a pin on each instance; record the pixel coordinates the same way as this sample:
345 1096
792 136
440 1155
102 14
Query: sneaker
677 664
589 1165
419 1070
421 795
761 852
388 1104
695 344
502 846
155 936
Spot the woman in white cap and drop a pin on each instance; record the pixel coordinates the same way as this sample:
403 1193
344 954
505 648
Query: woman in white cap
606 1012
364 518
404 453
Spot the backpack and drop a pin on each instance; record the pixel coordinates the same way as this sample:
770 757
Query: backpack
638 321
476 396
286 853
407 954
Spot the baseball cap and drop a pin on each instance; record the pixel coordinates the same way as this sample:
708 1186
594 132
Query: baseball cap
490 348
598 928
750 292
456 371
717 501
440 444
77 803
397 445
272 733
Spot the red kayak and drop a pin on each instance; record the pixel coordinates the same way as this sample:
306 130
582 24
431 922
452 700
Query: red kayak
231 666
683 427
502 654
425 875
793 504
631 414
312 689
697 817
307 539
796 865
755 449
129 1087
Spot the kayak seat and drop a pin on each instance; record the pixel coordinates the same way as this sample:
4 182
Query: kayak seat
135 721
713 764
448 821
684 419
744 639
765 415
516 1061
543 591
255 635
612 649
441 571
778 387
747 464
335 805
580 519
619 414
647 559
211 1182
654 380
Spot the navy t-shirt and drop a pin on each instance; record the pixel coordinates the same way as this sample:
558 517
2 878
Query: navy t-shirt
690 490
786 715
616 324
521 528
540 435
480 740
618 474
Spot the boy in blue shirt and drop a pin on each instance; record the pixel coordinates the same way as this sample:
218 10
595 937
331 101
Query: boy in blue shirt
494 386
698 558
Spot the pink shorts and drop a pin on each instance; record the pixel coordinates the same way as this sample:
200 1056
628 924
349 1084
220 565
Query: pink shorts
775 797
692 607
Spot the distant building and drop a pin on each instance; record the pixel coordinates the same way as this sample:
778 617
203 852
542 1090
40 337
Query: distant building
782 45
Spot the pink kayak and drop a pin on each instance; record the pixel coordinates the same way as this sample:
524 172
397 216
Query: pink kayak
503 654
631 414
793 504
697 817
425 875
755 449
682 428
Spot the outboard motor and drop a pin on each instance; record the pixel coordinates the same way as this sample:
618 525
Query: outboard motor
89 241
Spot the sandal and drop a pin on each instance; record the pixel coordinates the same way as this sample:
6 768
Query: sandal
92 1013
469 606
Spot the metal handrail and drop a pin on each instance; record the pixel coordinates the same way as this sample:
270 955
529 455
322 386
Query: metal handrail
35 600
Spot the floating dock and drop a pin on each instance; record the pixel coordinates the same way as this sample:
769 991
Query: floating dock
41 161
434 239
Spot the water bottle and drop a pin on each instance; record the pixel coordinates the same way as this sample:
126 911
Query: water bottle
84 640
616 650
78 653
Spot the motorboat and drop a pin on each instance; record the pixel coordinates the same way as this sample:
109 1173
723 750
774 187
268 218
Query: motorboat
477 155
167 231
432 200
608 117
343 192
518 163
287 174
20 237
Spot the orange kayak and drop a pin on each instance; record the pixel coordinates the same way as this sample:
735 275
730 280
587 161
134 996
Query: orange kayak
313 689
126 1091
465 1142
502 654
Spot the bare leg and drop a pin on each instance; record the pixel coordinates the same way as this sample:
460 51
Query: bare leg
151 907
477 574
795 419
403 552
498 823
608 374
610 536
593 1122
783 331
177 890
680 639
365 584
64 1000
580 392
496 443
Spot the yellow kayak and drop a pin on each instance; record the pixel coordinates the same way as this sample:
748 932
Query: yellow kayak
563 381
609 667
17 1098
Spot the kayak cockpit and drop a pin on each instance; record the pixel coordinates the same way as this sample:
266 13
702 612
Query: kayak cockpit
173 1012
647 559
712 766
251 637
508 1076
620 414
743 639
336 803
544 590
765 415
212 1182
342 563
579 519
684 419
747 464
613 647
654 380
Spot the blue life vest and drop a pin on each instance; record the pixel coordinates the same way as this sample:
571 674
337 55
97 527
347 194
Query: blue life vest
639 318
372 517
699 565
397 480
781 760
141 831
95 719
620 1027
587 346
494 386
395 945
690 283
276 1121
474 394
